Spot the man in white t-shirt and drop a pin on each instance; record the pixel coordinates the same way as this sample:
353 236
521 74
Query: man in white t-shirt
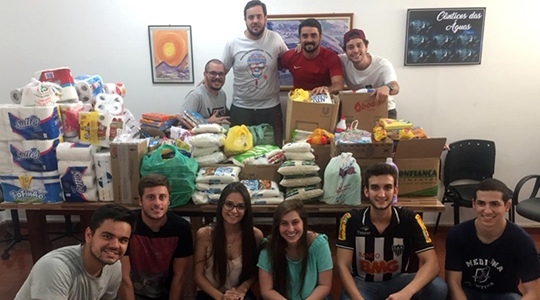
253 57
88 271
364 70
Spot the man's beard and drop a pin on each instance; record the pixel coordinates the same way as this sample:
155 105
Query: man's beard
315 47
257 34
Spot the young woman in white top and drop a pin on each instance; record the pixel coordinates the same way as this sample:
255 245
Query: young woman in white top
226 251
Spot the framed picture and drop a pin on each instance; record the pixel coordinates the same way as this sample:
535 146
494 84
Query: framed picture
334 26
444 36
171 53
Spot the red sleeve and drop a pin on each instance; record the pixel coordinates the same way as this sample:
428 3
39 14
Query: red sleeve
334 64
285 59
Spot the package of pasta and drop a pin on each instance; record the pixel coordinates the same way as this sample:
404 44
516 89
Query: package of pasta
379 133
261 188
306 194
218 174
298 167
406 134
300 180
419 133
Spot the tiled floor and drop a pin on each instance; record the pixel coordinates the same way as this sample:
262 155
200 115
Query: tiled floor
14 271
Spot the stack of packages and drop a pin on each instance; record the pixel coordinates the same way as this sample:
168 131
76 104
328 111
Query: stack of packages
77 172
206 144
190 119
211 181
263 191
300 173
158 121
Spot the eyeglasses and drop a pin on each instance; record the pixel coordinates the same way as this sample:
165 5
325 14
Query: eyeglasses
228 205
216 74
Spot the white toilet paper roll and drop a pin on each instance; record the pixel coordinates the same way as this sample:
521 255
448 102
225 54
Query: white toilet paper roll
16 95
76 152
109 104
85 167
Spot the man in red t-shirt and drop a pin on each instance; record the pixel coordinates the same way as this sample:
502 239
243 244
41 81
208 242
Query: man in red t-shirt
316 68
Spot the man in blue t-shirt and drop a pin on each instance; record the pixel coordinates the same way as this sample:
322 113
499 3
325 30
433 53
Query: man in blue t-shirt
487 257
161 247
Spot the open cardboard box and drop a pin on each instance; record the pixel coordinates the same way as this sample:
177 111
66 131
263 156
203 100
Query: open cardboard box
310 116
363 108
418 162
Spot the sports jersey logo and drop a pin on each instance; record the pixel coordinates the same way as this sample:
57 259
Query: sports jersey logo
378 266
343 227
398 249
424 229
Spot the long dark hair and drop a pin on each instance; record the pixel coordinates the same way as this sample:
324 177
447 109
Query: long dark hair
219 241
277 246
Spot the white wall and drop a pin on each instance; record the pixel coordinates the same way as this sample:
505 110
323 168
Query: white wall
496 100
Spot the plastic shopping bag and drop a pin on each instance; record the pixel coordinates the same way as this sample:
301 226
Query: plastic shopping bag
180 170
342 181
239 140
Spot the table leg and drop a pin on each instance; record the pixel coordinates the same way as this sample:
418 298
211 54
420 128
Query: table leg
40 243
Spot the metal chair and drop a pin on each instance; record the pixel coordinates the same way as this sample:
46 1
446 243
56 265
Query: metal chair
528 208
471 160
14 237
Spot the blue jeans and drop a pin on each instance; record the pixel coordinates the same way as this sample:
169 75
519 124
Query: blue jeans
435 289
476 295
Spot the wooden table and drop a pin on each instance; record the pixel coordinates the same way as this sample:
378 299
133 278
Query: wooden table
41 244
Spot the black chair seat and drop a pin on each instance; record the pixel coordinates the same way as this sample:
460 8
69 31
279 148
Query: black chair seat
464 192
529 209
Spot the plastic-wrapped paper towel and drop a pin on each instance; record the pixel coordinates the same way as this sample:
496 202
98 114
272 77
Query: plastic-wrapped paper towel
76 152
70 118
31 189
34 155
99 129
88 87
29 123
62 77
102 162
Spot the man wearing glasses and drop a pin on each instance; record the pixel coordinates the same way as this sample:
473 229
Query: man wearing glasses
208 99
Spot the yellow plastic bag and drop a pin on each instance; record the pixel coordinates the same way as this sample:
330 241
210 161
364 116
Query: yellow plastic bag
239 140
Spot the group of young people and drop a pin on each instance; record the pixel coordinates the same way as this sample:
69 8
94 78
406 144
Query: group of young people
486 258
258 53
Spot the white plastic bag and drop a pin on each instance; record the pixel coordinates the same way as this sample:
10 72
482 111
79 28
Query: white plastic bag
342 181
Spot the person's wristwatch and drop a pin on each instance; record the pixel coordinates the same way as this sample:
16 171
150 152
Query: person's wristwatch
390 86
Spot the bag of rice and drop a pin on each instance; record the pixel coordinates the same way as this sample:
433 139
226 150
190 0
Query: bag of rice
298 167
299 180
200 198
218 174
210 188
297 147
261 188
299 155
207 140
208 128
304 193
214 158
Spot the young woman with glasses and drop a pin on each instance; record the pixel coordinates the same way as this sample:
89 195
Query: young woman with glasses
295 263
226 251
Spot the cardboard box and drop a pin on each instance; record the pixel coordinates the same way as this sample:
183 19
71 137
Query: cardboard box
364 108
310 116
418 162
322 156
125 166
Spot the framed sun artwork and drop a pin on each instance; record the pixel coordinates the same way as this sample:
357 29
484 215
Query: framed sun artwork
171 53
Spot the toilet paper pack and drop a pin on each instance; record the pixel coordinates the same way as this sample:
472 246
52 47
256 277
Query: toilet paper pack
78 185
99 129
104 178
70 118
29 123
31 189
88 87
62 77
76 152
35 155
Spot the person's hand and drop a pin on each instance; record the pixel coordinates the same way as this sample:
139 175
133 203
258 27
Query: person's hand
233 294
218 120
381 93
298 48
401 295
319 90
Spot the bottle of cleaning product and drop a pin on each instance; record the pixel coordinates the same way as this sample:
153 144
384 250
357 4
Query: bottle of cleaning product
340 127
390 162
